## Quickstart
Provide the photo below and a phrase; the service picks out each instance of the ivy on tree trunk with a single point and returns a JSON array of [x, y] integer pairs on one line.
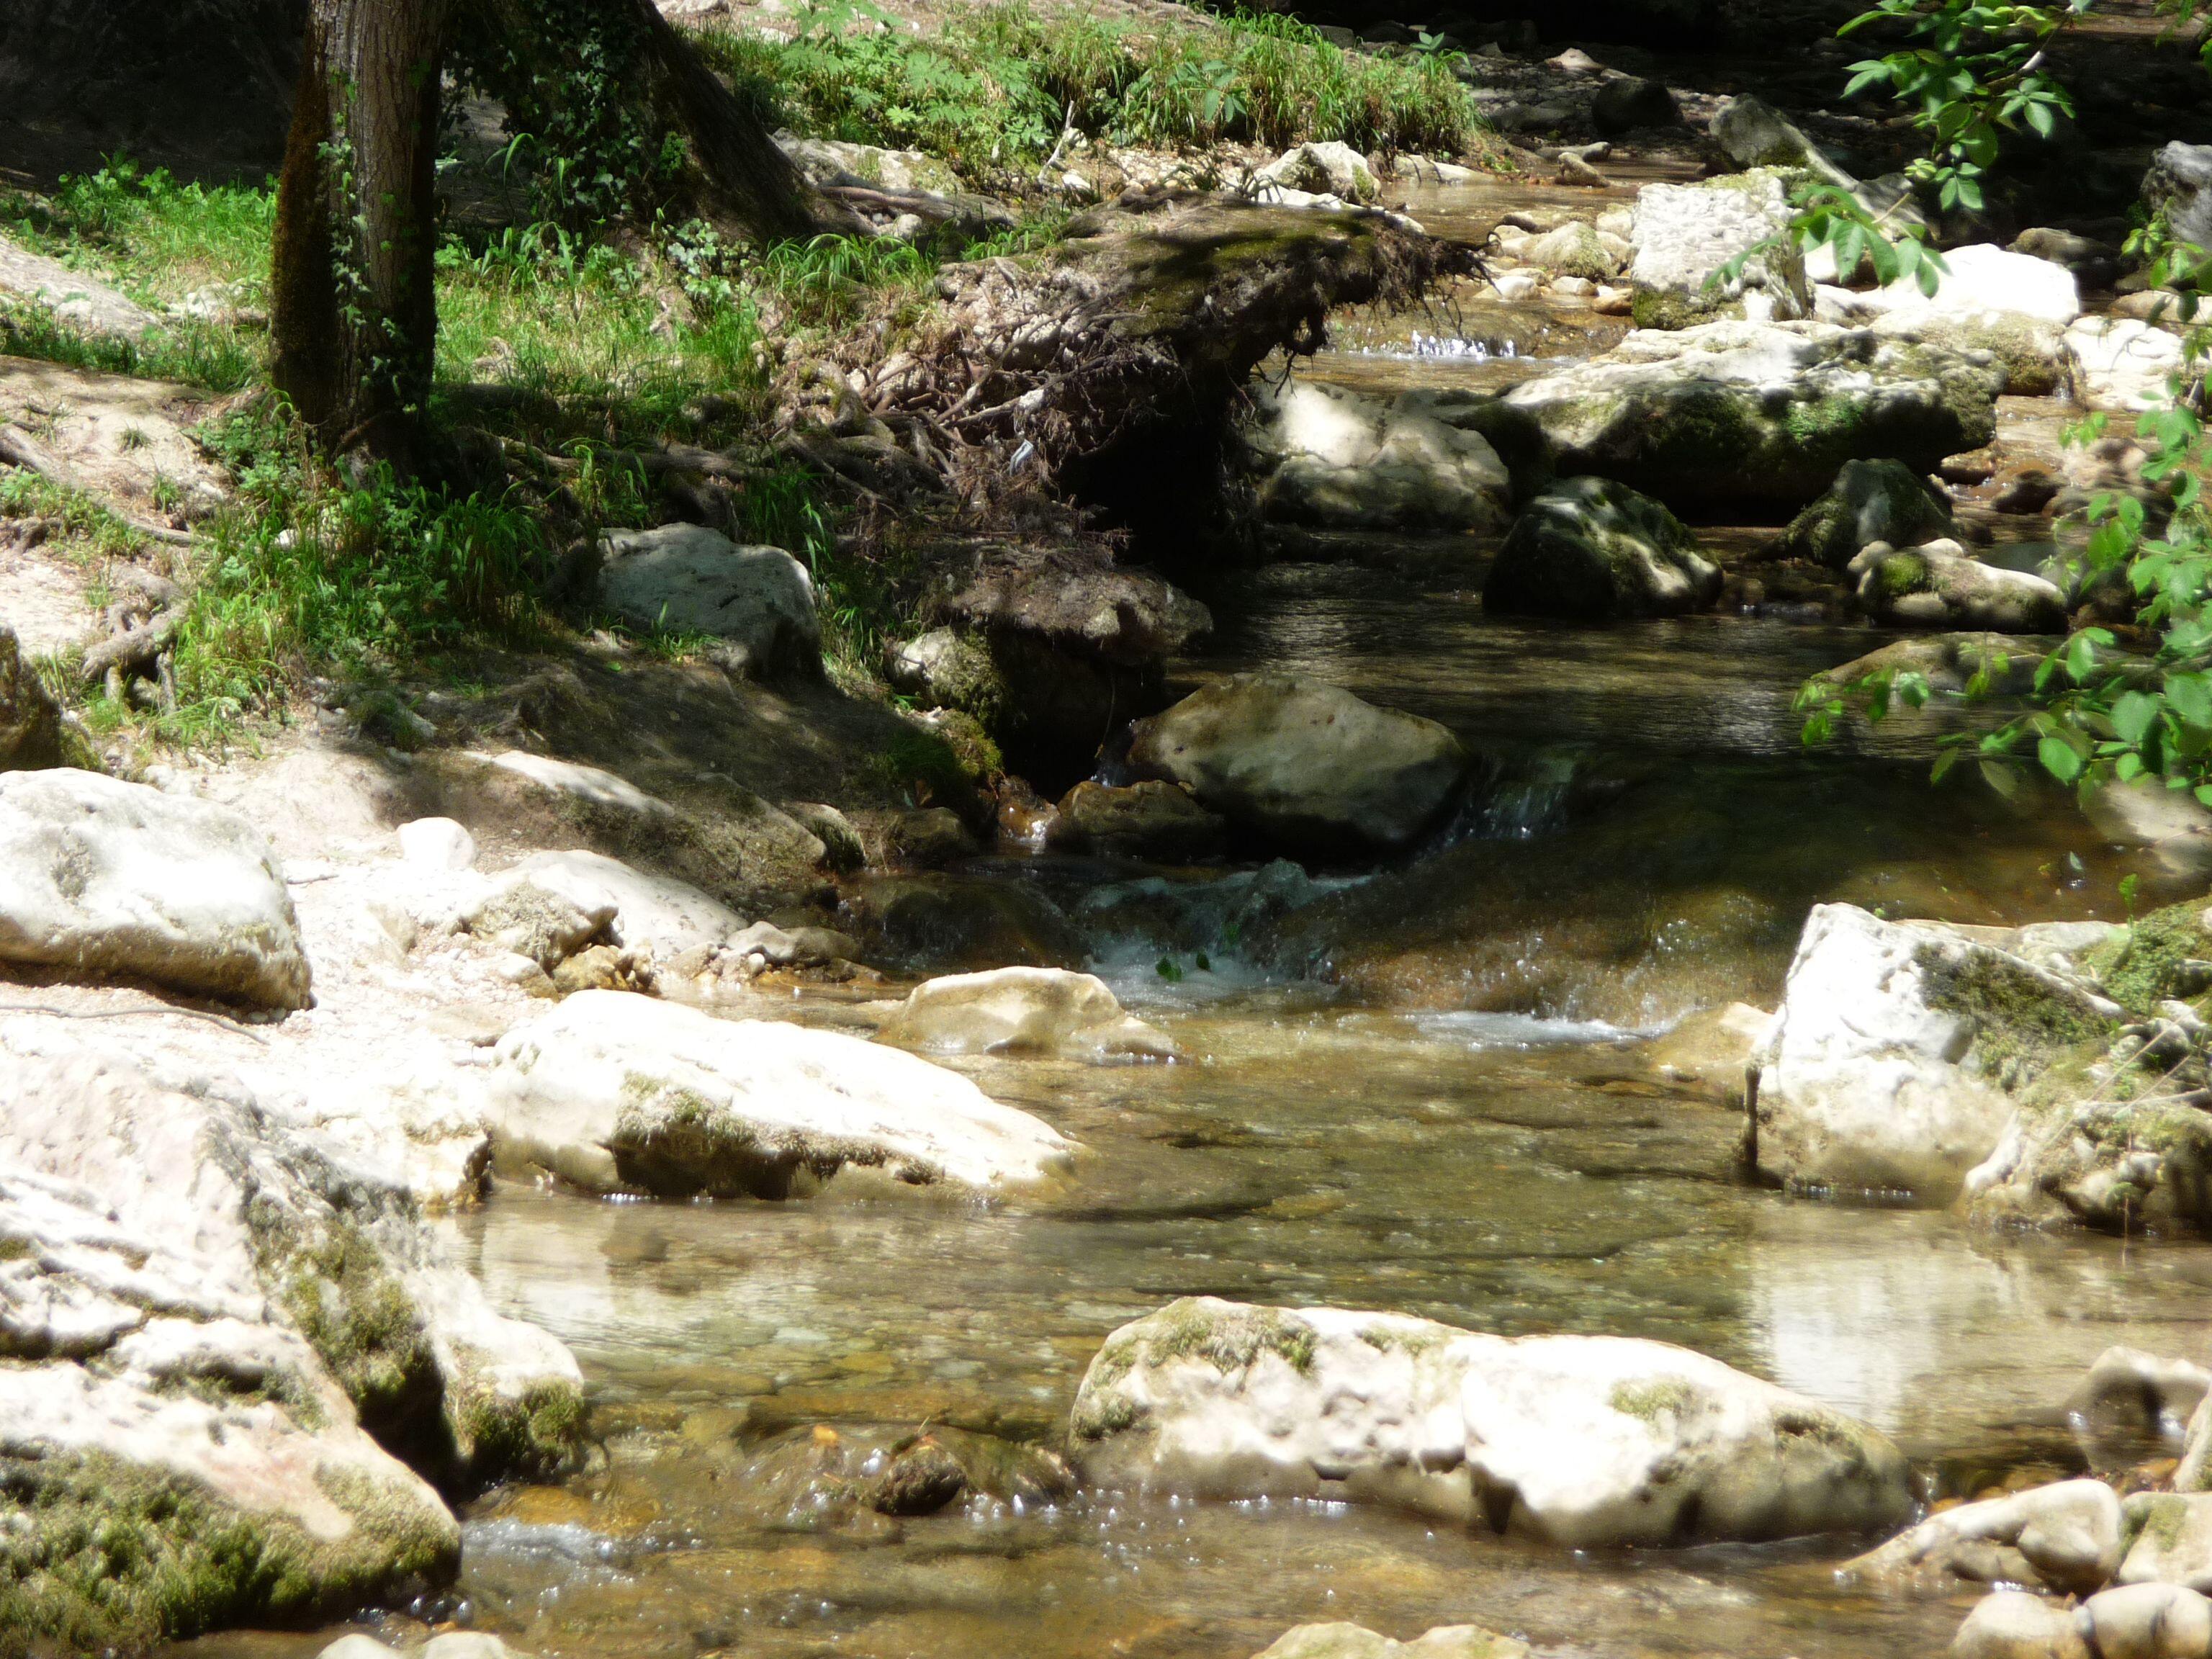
[[354, 306]]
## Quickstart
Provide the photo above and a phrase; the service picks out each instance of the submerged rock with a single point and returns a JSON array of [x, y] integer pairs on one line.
[[935, 921], [1024, 1011], [1940, 585], [1893, 1062], [687, 579], [1759, 414], [1303, 765], [1327, 456], [2067, 1538], [1148, 820], [1354, 1641], [1585, 1442], [1589, 547], [614, 1093], [102, 878], [2132, 1402], [1952, 662], [1870, 501], [1685, 234]]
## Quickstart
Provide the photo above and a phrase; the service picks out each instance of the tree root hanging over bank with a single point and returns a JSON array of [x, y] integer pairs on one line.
[[1147, 318]]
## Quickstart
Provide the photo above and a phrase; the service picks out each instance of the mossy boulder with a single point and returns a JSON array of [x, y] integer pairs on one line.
[[32, 734], [1758, 416], [1940, 585], [1870, 501], [235, 1354], [1592, 548], [1584, 1442]]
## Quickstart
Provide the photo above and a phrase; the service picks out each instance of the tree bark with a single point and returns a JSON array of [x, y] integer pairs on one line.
[[742, 183], [354, 306], [748, 180]]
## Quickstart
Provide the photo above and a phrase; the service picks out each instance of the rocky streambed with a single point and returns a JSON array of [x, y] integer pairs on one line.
[[1461, 1119]]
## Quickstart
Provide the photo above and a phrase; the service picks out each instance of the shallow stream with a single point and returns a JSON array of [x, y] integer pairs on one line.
[[1424, 1091]]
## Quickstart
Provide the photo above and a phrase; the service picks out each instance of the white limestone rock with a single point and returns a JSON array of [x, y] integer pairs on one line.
[[2122, 365], [100, 878], [1685, 234], [437, 844], [658, 917], [1586, 1442], [687, 579], [1873, 1079], [616, 1092]]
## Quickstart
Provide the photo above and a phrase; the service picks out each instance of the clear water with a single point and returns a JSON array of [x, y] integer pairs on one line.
[[1426, 1090]]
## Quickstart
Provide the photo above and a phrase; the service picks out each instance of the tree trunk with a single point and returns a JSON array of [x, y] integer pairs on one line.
[[748, 179], [354, 307], [739, 180]]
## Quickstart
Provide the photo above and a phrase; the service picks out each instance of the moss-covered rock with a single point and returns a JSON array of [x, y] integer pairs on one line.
[[32, 734], [1903, 1051], [203, 1406], [1592, 548], [1870, 501], [1750, 415], [1579, 1441], [1941, 585]]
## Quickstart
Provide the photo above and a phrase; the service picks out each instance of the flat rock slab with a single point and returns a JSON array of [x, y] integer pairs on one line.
[[614, 1093], [83, 302]]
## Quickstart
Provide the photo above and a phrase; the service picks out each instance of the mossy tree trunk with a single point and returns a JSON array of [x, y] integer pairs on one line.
[[354, 307]]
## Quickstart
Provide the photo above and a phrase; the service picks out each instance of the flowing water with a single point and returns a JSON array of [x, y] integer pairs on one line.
[[1426, 1090]]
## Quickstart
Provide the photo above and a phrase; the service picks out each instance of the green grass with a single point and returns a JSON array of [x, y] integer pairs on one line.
[[989, 90]]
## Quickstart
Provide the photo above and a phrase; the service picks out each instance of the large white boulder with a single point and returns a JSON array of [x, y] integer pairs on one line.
[[1303, 764], [687, 579], [1329, 168], [1684, 234], [2122, 365], [1758, 414], [2013, 305], [1588, 1441], [1890, 1065], [617, 1093], [100, 878], [1327, 456], [1049, 1011]]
